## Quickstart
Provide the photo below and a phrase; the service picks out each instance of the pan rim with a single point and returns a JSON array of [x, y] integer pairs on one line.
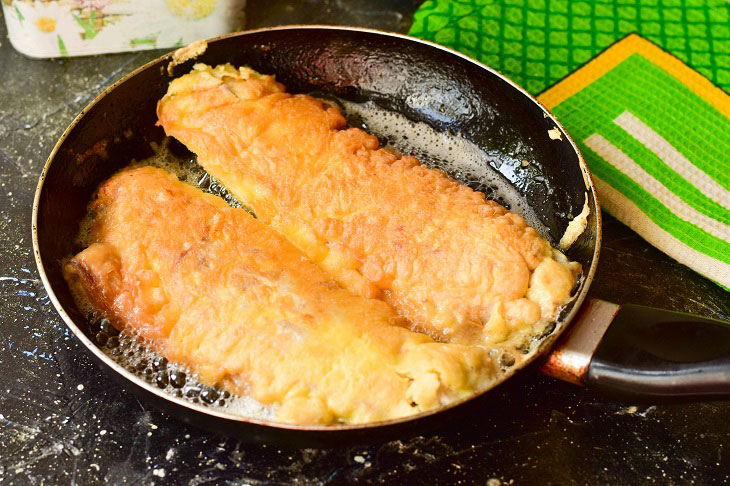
[[542, 347]]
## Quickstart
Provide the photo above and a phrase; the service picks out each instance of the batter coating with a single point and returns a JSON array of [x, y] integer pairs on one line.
[[460, 267], [212, 288]]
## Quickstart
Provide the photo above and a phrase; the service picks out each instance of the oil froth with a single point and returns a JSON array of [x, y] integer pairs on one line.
[[458, 157]]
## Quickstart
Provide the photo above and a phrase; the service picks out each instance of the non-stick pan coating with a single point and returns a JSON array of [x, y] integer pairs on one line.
[[425, 82]]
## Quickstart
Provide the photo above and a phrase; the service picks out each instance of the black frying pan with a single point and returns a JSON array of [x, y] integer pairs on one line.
[[423, 81]]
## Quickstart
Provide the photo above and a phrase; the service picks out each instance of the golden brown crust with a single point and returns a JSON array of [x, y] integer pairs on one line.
[[382, 225], [214, 289]]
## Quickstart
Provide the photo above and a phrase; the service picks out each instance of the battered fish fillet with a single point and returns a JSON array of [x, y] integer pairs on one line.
[[212, 288], [460, 267]]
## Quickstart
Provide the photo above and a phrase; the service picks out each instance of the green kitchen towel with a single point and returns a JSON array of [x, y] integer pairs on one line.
[[537, 42], [655, 133]]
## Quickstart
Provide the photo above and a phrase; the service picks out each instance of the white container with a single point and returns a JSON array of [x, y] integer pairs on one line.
[[58, 28]]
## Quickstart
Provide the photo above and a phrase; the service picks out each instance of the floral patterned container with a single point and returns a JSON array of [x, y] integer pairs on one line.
[[57, 28]]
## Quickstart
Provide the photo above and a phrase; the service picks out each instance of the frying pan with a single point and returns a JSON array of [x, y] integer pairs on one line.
[[517, 139]]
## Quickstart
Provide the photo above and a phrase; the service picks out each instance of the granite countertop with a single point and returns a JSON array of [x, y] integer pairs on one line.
[[63, 422]]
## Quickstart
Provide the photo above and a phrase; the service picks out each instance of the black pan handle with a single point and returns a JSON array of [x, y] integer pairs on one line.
[[653, 355]]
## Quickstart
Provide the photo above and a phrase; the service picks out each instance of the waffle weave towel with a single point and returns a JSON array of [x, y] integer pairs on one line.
[[654, 131]]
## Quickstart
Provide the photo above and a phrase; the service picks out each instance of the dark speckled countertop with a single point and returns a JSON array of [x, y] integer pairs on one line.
[[62, 421]]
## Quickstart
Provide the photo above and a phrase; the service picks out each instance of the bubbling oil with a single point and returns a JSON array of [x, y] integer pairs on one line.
[[188, 170], [136, 356], [458, 157]]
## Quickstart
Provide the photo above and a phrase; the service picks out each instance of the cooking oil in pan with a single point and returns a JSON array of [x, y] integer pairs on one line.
[[136, 357], [456, 156], [187, 170]]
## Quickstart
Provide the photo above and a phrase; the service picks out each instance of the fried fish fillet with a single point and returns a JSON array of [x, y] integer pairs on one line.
[[210, 287], [460, 267]]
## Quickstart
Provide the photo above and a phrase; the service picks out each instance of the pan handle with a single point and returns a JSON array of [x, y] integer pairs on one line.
[[653, 355]]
